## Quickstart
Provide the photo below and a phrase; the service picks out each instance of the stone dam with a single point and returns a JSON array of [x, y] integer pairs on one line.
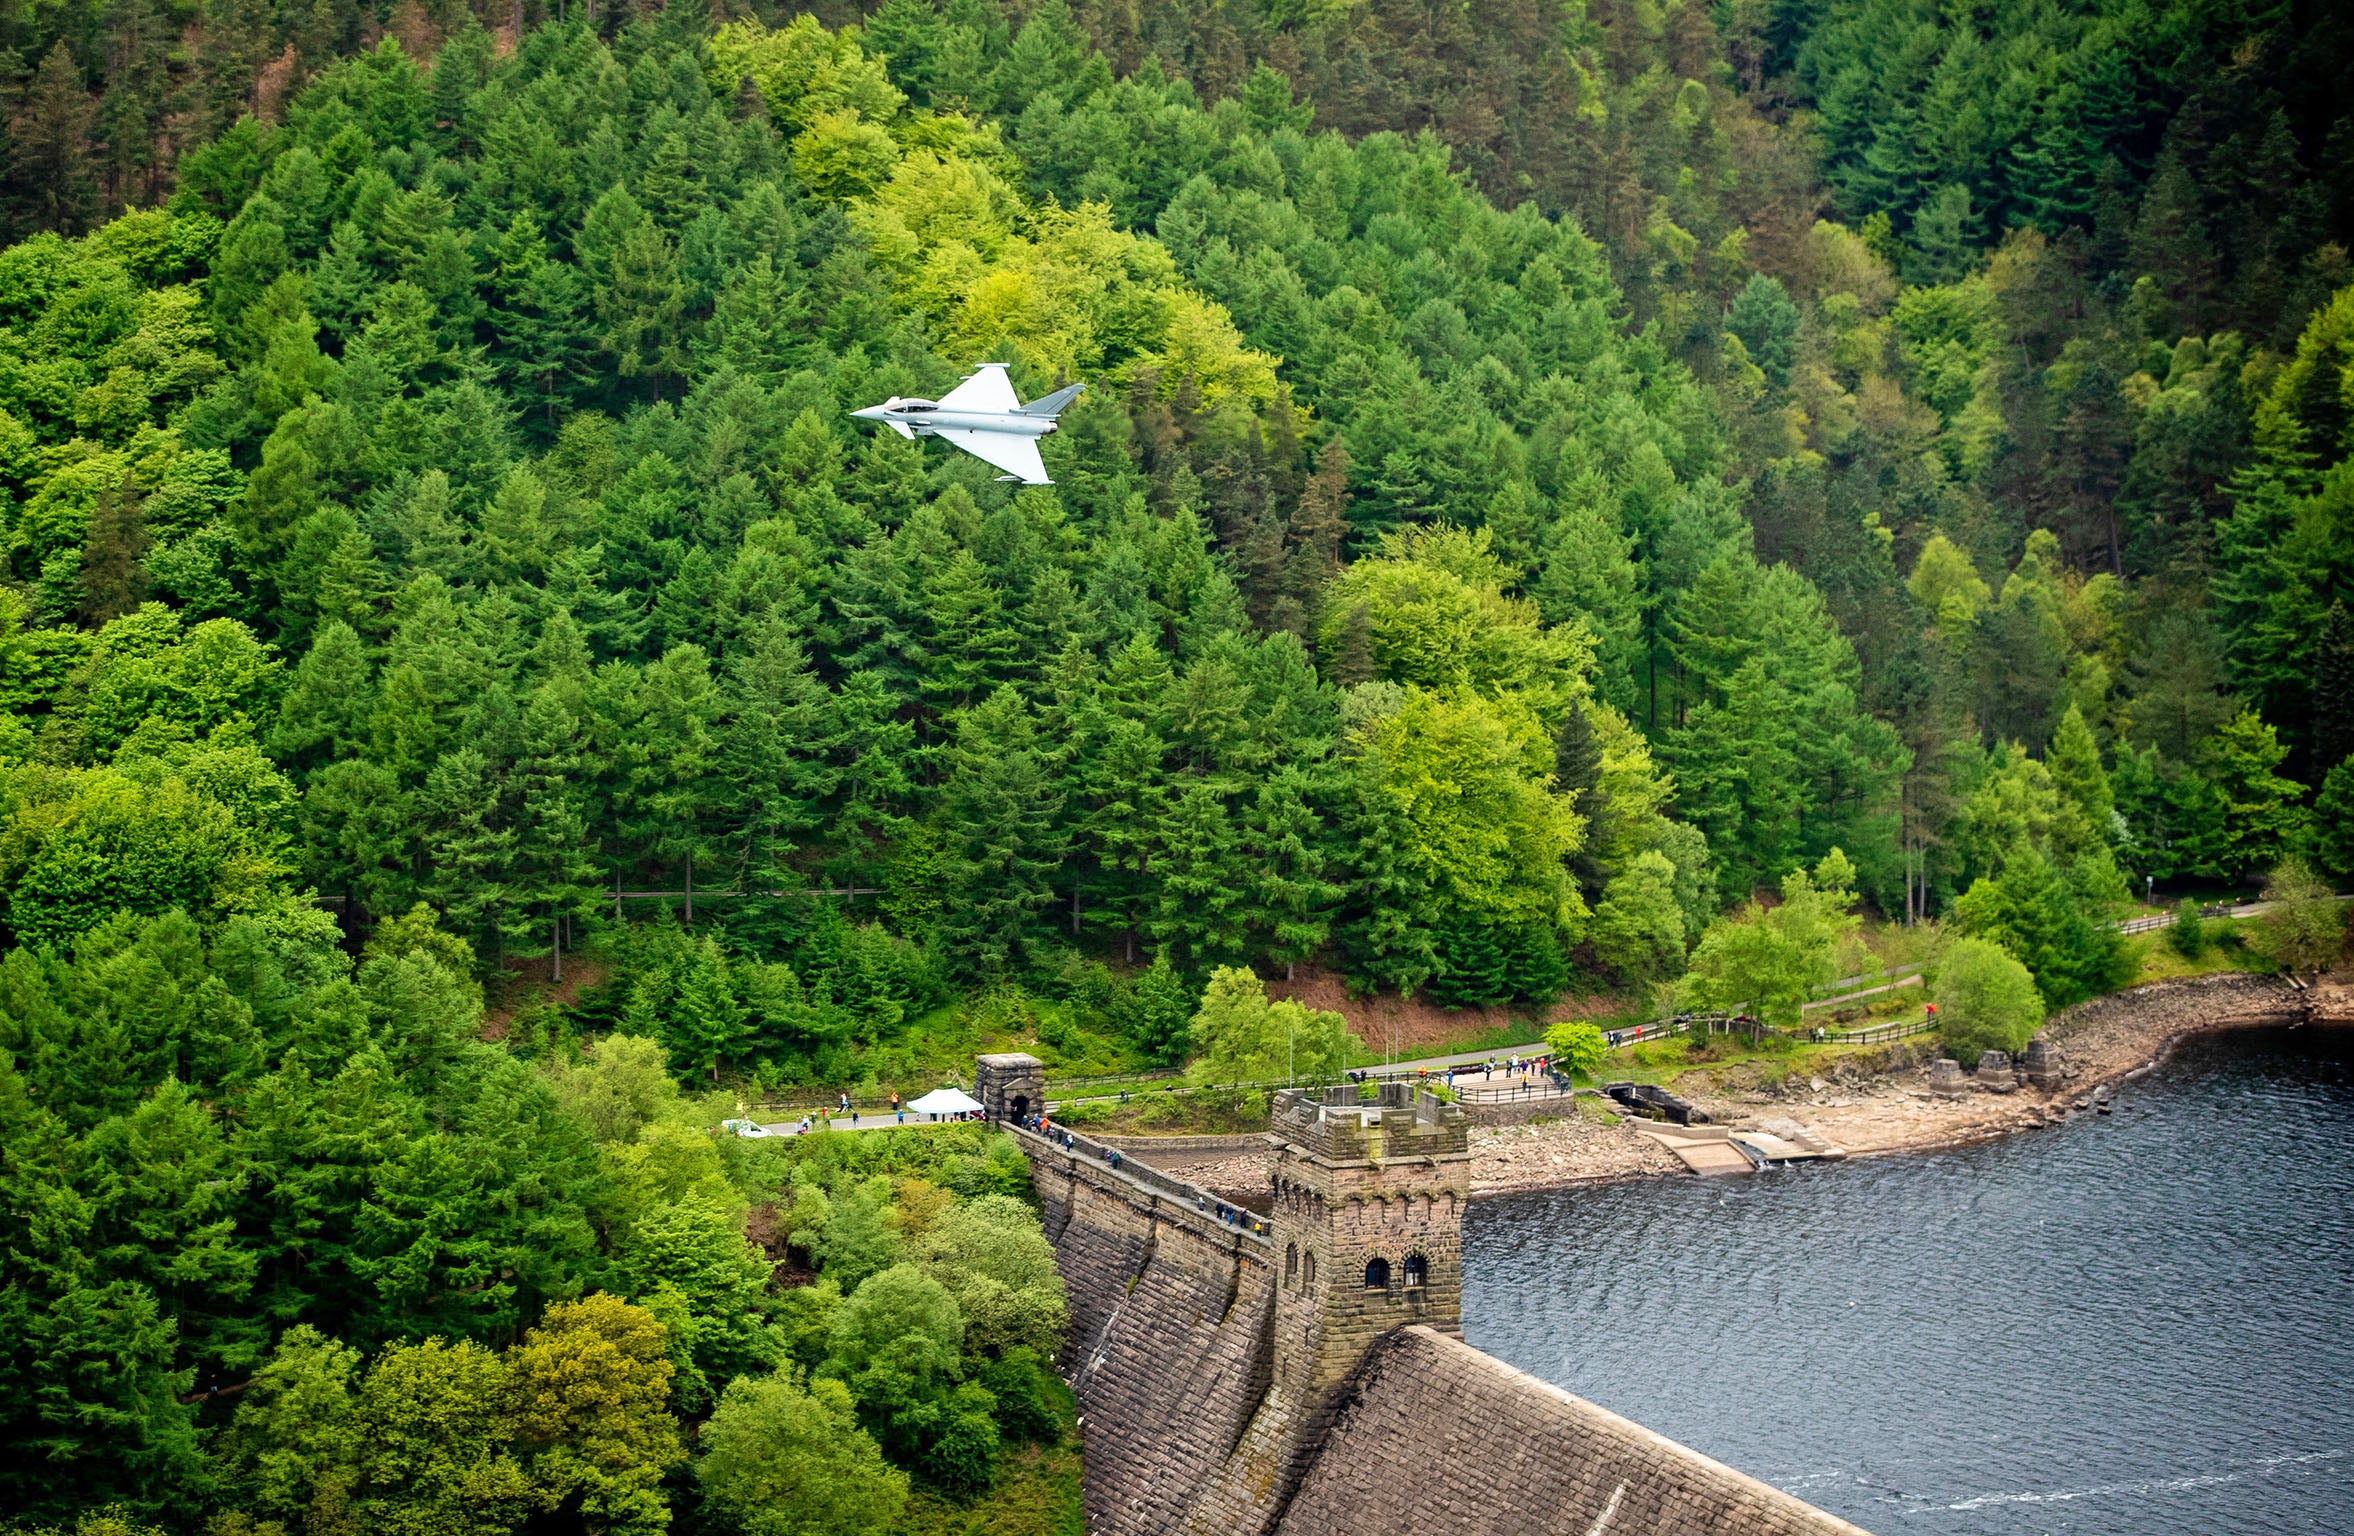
[[1304, 1374]]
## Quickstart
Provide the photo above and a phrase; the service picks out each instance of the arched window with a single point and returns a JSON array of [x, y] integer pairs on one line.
[[1417, 1271], [1377, 1275], [1291, 1263], [1308, 1269]]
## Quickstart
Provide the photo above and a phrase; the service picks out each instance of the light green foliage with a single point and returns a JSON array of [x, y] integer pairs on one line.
[[617, 1087], [294, 1442], [778, 1459], [591, 1393], [993, 1257], [857, 1241], [1241, 1037], [148, 837], [1577, 1045], [696, 1250], [1638, 927], [1986, 1001], [1437, 617], [1766, 960], [434, 1460], [2305, 929], [1481, 829], [902, 1315], [2055, 920]]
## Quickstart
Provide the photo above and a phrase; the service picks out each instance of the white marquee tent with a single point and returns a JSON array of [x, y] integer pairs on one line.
[[945, 1101]]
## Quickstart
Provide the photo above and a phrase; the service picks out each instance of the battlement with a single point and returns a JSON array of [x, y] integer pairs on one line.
[[1336, 1126]]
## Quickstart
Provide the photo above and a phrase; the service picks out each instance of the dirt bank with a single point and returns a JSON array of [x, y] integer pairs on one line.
[[1408, 1026]]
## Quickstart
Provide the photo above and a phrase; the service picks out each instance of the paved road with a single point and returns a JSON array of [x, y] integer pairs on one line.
[[868, 1120]]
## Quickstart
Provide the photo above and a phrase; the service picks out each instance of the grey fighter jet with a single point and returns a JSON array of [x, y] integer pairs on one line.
[[982, 417]]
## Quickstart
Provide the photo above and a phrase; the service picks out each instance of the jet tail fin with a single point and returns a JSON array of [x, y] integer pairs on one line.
[[1051, 405]]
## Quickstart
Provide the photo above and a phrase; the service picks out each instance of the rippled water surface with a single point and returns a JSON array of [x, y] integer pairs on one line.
[[2140, 1324]]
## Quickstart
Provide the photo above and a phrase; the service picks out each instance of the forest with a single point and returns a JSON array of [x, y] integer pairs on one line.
[[1571, 496]]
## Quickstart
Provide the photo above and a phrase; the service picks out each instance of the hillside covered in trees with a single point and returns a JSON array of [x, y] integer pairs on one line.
[[1550, 474]]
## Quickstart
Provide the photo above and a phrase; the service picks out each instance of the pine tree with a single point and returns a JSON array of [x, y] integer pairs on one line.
[[706, 1022], [968, 644], [325, 713], [2333, 689], [779, 760], [113, 580], [1001, 814], [642, 306], [470, 847], [1199, 907], [556, 873], [2075, 763], [1471, 964], [1386, 929], [2333, 822], [1291, 902], [52, 144]]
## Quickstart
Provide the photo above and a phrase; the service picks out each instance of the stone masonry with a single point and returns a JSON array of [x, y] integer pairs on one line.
[[1310, 1381], [1437, 1437], [1010, 1085]]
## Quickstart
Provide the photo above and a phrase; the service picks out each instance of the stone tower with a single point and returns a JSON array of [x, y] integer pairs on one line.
[[1368, 1233]]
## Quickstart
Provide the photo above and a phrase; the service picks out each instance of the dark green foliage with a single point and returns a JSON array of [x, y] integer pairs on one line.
[[2054, 921], [1160, 1008]]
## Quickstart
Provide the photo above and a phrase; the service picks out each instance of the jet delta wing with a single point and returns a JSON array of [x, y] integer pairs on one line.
[[1018, 456], [987, 390], [983, 417]]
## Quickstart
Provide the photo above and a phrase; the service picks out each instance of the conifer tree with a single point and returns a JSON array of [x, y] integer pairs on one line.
[[113, 580]]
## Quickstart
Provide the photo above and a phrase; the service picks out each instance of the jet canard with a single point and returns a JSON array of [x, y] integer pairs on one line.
[[983, 417]]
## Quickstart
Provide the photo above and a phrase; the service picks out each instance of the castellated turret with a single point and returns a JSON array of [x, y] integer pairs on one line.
[[1368, 1228]]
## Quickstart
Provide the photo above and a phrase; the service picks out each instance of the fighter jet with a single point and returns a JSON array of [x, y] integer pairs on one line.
[[982, 417]]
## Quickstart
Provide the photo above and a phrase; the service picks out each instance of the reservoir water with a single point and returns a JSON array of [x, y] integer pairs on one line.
[[2139, 1324]]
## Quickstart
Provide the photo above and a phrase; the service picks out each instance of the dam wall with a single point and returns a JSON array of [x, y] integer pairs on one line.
[[1170, 1348], [1303, 1374], [1436, 1436]]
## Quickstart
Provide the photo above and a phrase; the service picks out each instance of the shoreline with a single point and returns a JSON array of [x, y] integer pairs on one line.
[[2101, 1043], [1883, 1112]]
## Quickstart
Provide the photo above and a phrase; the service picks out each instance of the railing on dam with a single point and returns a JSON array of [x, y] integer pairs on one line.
[[1120, 1165]]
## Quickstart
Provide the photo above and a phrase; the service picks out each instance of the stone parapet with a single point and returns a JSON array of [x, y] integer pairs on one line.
[[1150, 1147], [1336, 1125]]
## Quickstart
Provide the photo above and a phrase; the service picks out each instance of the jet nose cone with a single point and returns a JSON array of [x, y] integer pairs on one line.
[[873, 413]]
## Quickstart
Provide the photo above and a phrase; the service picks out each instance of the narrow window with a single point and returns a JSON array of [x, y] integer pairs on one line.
[[1377, 1275], [1308, 1269], [1291, 1262], [1417, 1271]]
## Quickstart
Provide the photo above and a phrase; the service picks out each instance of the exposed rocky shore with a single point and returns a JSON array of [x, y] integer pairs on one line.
[[1874, 1103], [1884, 1104]]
